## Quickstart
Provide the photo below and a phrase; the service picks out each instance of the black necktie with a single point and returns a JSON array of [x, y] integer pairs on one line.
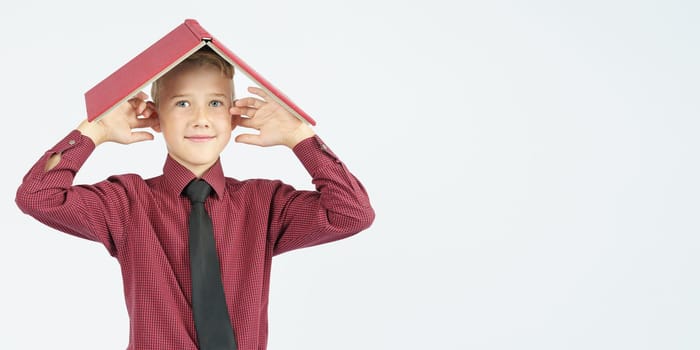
[[211, 320]]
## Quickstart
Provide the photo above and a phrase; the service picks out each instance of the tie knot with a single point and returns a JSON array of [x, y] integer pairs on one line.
[[198, 191]]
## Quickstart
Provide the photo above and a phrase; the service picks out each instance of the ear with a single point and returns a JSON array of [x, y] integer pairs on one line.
[[156, 126], [153, 114], [234, 121]]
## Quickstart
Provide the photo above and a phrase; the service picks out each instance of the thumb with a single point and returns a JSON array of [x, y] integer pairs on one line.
[[250, 139], [139, 136], [141, 96]]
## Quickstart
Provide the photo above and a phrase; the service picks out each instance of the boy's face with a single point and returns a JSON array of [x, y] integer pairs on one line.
[[193, 110]]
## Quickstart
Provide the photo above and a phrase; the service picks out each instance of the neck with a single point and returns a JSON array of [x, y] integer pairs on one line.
[[197, 169]]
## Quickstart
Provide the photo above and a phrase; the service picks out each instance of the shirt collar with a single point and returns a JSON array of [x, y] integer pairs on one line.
[[178, 177]]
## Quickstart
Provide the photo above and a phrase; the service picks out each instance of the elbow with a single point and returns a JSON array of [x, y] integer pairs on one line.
[[34, 203], [24, 201], [366, 219], [362, 214], [28, 204], [354, 222]]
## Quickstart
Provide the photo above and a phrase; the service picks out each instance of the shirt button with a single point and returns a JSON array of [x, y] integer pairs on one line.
[[71, 142], [323, 147]]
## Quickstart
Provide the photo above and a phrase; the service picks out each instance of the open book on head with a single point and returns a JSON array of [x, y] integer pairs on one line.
[[163, 56]]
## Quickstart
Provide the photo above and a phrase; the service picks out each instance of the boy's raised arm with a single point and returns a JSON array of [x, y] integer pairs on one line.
[[94, 212], [337, 209]]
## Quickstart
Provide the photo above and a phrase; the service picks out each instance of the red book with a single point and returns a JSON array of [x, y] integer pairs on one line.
[[161, 57]]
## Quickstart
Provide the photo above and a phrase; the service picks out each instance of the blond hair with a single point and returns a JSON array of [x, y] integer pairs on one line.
[[205, 57]]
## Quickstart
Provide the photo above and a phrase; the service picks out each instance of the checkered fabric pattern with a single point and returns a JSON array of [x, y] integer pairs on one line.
[[143, 223]]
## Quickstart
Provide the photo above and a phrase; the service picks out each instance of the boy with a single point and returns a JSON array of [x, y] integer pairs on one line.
[[143, 223]]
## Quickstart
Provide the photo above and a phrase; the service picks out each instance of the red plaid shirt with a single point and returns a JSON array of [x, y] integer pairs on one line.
[[143, 224]]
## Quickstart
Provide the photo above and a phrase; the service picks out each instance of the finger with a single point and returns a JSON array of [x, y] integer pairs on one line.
[[140, 107], [141, 96], [258, 91], [250, 139], [144, 123], [146, 113], [246, 123], [243, 111], [249, 102], [139, 136], [133, 102], [150, 110]]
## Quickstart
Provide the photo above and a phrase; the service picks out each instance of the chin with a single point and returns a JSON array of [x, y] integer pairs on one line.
[[202, 162]]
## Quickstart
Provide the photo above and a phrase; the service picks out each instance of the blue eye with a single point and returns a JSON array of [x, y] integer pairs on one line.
[[216, 103], [182, 104]]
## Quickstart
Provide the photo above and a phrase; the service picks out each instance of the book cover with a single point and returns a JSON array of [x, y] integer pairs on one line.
[[164, 55]]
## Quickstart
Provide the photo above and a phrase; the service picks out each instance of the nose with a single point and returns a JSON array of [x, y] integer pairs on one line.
[[201, 120]]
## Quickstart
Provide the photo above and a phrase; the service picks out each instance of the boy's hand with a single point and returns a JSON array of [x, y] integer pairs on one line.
[[117, 125], [276, 125]]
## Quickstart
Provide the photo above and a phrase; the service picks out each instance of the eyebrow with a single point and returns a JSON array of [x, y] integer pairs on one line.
[[184, 95]]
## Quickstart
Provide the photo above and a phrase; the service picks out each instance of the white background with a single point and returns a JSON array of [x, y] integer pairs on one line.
[[533, 166]]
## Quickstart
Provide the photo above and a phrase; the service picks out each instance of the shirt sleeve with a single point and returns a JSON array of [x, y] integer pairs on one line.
[[337, 209], [94, 212]]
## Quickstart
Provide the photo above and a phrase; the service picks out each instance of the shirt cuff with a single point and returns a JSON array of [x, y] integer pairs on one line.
[[315, 154], [75, 148]]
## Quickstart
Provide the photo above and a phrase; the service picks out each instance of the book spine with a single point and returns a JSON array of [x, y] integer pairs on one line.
[[197, 30]]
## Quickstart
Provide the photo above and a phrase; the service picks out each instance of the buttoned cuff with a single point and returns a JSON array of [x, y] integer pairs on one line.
[[75, 149], [315, 154], [73, 140]]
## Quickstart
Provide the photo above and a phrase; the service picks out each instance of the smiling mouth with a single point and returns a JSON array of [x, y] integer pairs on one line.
[[199, 138]]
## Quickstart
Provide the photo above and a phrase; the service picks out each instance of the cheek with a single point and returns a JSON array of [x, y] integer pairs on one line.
[[166, 125], [224, 122], [171, 127]]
